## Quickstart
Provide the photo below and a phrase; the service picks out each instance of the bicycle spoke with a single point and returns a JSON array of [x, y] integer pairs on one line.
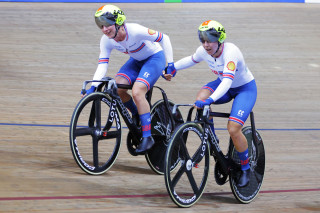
[[97, 107], [196, 158], [178, 175], [184, 149], [92, 115], [186, 156], [192, 181], [83, 131], [95, 151]]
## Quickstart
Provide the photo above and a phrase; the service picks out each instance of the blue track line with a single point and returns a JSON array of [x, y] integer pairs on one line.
[[49, 125], [157, 1]]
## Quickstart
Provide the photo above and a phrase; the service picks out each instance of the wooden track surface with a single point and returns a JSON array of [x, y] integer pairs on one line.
[[48, 50]]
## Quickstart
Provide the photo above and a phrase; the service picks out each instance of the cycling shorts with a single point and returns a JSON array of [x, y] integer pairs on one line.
[[146, 71], [244, 97]]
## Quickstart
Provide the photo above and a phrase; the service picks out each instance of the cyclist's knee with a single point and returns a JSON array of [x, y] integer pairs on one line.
[[234, 129], [139, 93], [121, 80], [203, 94]]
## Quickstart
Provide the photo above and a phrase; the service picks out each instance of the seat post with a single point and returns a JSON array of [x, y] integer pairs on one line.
[[149, 96], [253, 126]]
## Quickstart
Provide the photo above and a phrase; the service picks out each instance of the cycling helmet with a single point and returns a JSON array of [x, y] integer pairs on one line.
[[211, 31], [108, 15]]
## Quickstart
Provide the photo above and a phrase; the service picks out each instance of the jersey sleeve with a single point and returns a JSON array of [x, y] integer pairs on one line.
[[199, 55], [230, 65], [189, 61], [144, 33], [222, 89], [105, 50], [229, 70], [156, 36]]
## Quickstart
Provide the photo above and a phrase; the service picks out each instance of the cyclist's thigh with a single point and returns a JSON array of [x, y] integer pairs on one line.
[[212, 86], [152, 69], [128, 71], [244, 102]]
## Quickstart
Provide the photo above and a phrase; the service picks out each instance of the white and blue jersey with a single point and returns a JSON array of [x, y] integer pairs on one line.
[[141, 44], [230, 64], [234, 78]]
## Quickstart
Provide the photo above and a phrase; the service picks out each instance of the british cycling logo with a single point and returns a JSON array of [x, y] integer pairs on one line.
[[240, 113], [146, 74]]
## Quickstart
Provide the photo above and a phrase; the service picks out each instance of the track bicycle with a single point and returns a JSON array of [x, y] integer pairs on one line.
[[96, 130], [192, 143]]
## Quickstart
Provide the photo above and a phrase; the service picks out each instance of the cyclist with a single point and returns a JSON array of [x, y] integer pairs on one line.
[[148, 50], [235, 81]]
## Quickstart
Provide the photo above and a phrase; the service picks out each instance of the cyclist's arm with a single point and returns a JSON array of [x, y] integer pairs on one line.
[[102, 68], [189, 61], [167, 48], [222, 89], [144, 33], [229, 70]]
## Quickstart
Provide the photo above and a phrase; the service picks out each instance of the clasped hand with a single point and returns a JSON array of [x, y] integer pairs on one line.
[[169, 72]]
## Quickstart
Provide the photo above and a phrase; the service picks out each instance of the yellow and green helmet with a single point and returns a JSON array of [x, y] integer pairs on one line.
[[211, 31], [109, 15]]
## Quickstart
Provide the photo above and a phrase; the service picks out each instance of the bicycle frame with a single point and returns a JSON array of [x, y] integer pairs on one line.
[[110, 88], [226, 163]]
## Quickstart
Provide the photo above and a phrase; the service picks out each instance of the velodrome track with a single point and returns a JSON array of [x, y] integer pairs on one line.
[[48, 49]]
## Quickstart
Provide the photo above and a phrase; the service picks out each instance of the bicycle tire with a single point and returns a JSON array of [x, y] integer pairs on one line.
[[161, 129], [186, 184], [257, 167], [95, 148]]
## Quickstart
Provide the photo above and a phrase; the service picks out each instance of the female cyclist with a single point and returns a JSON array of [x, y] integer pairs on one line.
[[235, 81], [149, 50]]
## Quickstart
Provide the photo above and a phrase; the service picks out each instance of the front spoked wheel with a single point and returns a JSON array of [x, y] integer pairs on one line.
[[161, 129], [95, 133], [187, 182], [257, 167]]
